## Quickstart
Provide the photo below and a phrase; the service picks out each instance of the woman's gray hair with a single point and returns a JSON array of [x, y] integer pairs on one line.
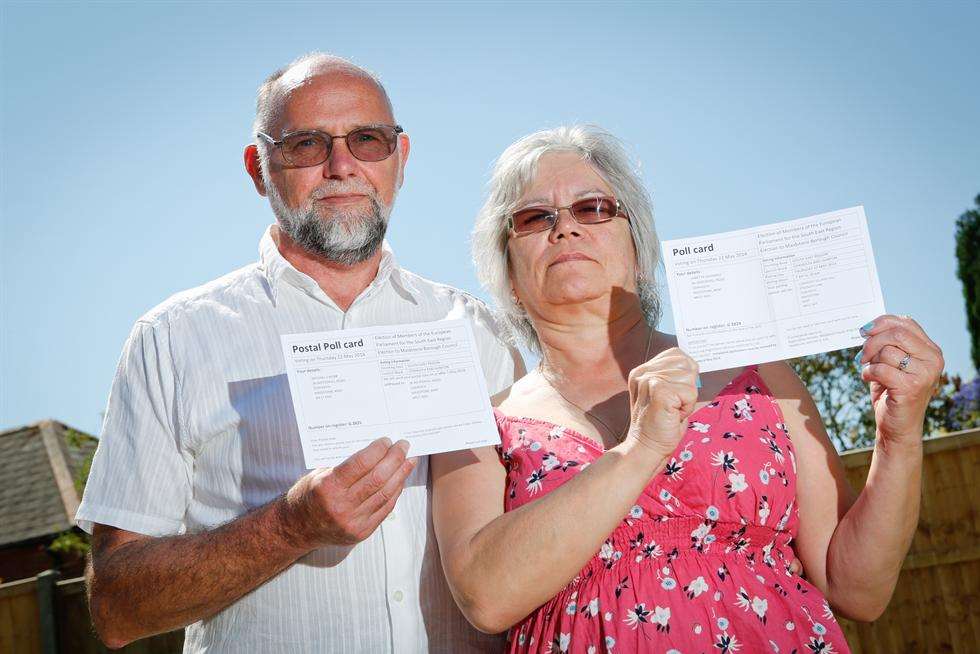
[[515, 170]]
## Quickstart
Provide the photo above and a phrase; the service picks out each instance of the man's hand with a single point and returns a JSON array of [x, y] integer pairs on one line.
[[345, 504]]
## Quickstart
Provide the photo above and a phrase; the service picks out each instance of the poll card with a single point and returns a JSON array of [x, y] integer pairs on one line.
[[422, 382], [774, 292]]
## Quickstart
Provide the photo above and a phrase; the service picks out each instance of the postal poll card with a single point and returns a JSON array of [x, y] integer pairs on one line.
[[774, 292], [422, 382]]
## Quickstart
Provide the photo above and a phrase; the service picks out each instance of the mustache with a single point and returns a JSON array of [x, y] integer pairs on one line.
[[335, 187]]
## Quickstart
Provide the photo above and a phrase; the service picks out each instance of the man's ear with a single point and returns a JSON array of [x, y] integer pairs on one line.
[[253, 166], [404, 146]]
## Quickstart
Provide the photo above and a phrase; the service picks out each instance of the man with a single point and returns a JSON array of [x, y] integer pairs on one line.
[[193, 502]]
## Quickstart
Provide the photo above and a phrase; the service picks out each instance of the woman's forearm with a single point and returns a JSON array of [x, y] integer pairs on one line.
[[524, 557], [870, 543]]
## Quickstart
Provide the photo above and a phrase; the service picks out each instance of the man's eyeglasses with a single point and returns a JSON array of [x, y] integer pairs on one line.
[[585, 212], [313, 147]]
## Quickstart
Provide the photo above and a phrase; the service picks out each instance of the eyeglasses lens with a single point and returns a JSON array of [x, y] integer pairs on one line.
[[313, 148], [588, 211]]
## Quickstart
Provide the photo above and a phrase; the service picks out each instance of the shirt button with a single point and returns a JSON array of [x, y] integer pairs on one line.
[[398, 595]]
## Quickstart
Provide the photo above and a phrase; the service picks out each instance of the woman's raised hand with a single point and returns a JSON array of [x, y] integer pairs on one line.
[[663, 392], [903, 366]]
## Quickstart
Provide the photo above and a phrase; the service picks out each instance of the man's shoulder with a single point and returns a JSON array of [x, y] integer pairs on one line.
[[458, 303], [214, 297]]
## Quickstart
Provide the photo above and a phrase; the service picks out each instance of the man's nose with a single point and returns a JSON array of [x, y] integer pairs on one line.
[[565, 226], [341, 163]]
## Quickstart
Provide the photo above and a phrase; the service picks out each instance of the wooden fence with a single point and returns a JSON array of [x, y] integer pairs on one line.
[[936, 607], [42, 615]]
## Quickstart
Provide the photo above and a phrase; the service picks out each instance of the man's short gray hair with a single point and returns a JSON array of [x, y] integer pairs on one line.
[[273, 90], [515, 170]]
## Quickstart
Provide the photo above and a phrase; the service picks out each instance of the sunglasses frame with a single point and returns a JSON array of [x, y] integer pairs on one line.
[[397, 129], [556, 210]]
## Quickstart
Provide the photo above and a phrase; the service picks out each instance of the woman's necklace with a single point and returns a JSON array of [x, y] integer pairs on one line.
[[589, 414]]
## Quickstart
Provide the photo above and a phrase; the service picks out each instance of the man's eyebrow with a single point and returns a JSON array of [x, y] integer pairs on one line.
[[317, 129]]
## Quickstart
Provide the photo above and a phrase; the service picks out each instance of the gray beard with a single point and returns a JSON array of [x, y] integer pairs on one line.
[[346, 237]]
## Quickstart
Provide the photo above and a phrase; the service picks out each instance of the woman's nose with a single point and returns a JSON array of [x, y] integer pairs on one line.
[[564, 226]]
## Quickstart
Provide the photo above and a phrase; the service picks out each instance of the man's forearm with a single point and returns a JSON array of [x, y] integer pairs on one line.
[[153, 585]]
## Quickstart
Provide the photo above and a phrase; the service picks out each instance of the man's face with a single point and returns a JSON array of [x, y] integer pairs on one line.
[[338, 209]]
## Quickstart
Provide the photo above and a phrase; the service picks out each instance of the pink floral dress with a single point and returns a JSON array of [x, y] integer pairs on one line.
[[701, 562]]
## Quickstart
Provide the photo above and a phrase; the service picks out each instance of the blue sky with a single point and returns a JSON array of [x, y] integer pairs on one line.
[[123, 127]]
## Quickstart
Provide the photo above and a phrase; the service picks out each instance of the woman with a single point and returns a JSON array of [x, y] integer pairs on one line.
[[629, 507]]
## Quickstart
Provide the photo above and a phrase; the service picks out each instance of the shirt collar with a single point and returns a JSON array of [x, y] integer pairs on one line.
[[279, 271]]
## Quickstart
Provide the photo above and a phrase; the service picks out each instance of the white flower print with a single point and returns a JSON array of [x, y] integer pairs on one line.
[[767, 558], [535, 446], [638, 614], [764, 476], [591, 609], [610, 643], [564, 640], [730, 435], [674, 470], [556, 433], [636, 512], [700, 427], [781, 525], [743, 600], [686, 455], [727, 643], [699, 537], [742, 410], [763, 510], [724, 459], [650, 551], [792, 460], [550, 461], [696, 587], [736, 484], [723, 624], [668, 583], [712, 513], [770, 441], [774, 646], [534, 481], [759, 607], [661, 616], [819, 646], [827, 612]]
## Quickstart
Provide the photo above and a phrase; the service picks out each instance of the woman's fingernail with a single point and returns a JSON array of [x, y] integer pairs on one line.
[[867, 328], [697, 381], [857, 359]]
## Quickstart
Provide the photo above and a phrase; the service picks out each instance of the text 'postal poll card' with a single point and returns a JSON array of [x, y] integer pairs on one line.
[[774, 292], [422, 382]]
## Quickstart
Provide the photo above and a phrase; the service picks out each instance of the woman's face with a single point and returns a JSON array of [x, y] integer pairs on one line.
[[571, 263]]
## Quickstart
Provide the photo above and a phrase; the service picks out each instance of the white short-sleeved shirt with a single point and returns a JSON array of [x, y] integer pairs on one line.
[[200, 428]]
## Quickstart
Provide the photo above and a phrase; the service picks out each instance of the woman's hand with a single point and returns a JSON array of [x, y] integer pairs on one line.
[[900, 392], [663, 393]]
